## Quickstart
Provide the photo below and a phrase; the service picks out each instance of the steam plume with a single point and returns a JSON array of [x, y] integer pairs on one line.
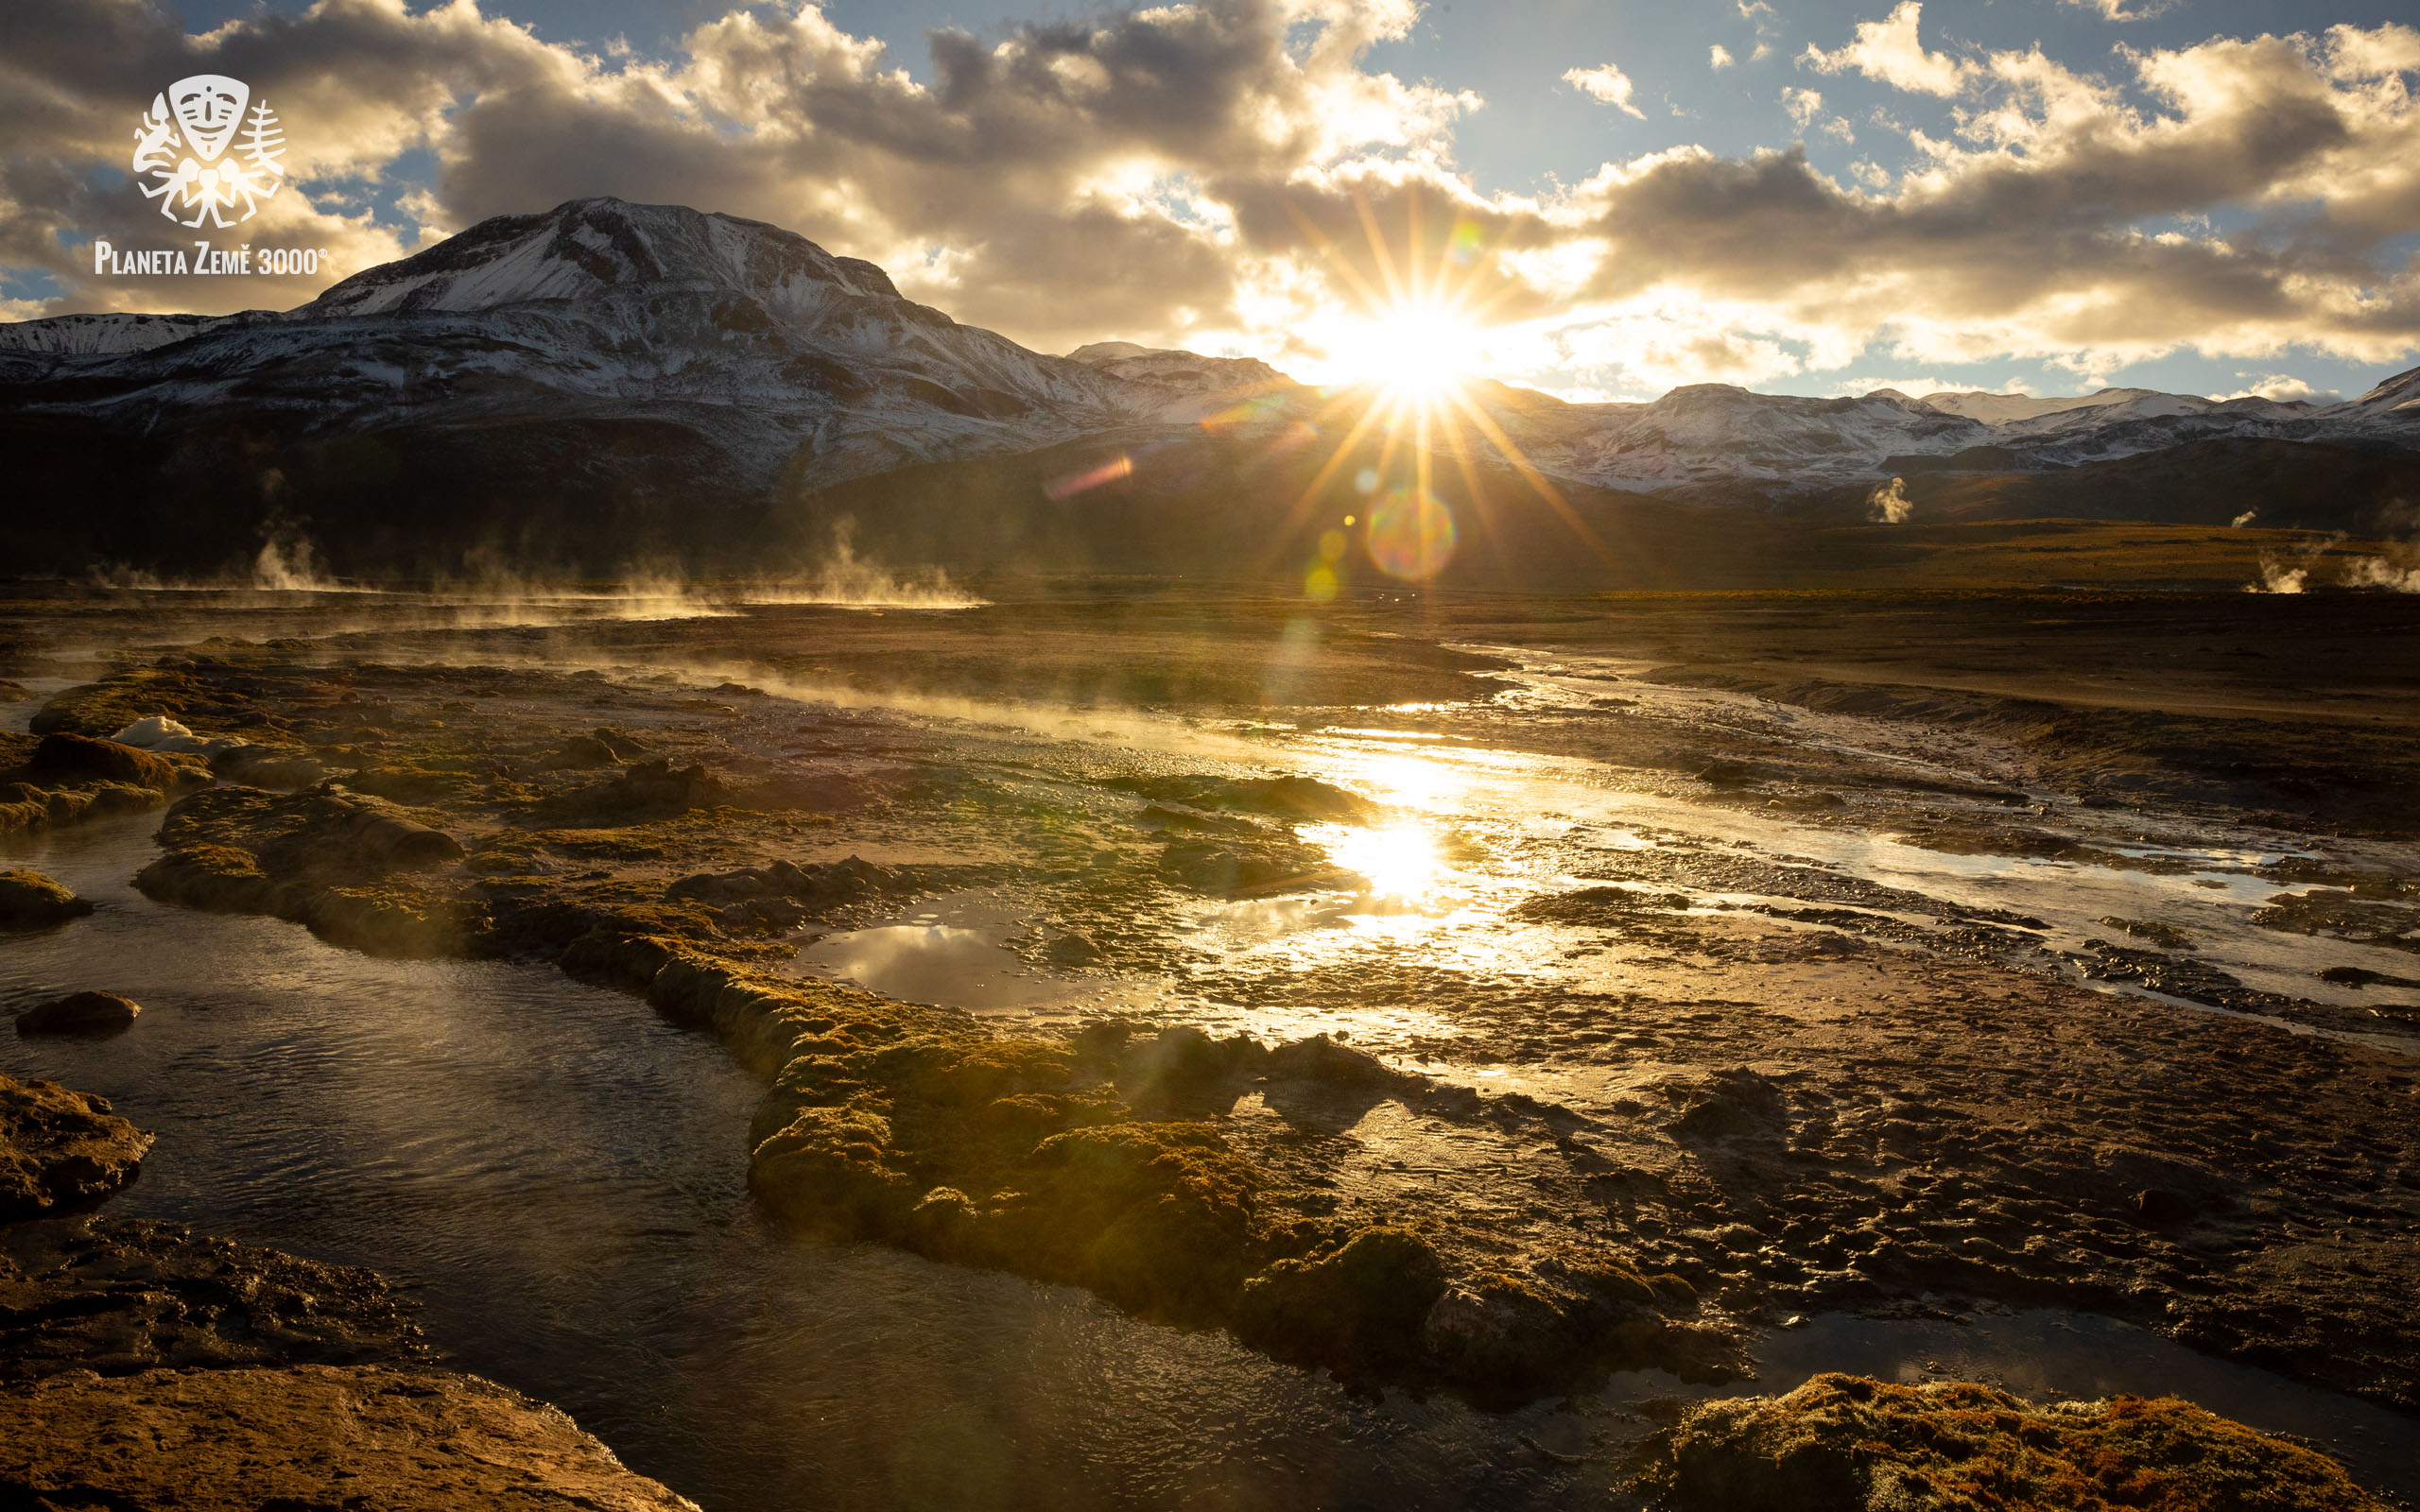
[[1889, 503]]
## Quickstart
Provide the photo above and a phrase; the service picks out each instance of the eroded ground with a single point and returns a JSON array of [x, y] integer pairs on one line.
[[1425, 991]]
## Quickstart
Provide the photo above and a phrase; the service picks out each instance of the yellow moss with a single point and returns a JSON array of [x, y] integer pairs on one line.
[[1848, 1444]]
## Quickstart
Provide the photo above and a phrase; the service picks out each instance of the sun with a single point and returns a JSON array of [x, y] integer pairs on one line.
[[1420, 350]]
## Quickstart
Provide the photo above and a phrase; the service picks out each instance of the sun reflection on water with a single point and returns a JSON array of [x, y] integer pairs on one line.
[[1400, 860]]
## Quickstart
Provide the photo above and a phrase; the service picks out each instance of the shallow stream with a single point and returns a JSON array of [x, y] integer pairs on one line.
[[558, 1175]]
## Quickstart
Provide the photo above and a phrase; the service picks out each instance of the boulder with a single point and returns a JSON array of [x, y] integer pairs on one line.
[[28, 899], [306, 1435], [61, 1149], [80, 1013]]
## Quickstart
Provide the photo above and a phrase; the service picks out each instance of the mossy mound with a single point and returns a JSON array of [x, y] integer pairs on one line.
[[59, 779], [1097, 1162], [118, 701], [1845, 1443], [337, 861], [28, 899]]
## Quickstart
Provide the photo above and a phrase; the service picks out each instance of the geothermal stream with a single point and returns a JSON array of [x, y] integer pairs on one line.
[[558, 1175]]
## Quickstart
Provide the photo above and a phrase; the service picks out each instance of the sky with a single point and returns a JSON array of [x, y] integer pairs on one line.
[[1601, 200]]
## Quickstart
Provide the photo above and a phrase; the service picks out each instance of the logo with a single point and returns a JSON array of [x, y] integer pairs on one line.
[[181, 148]]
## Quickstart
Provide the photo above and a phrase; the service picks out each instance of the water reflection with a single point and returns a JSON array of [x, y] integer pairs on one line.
[[559, 1178]]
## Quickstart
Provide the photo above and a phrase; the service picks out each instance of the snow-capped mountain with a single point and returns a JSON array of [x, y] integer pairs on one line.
[[787, 362], [644, 363], [1716, 433]]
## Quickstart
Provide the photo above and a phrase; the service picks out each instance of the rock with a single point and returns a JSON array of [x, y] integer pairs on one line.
[[1182, 1057], [80, 1013], [1358, 1306], [269, 767], [13, 692], [1073, 950], [619, 743], [116, 1297], [644, 787], [65, 755], [59, 1150], [28, 899], [1732, 1103], [1321, 1059], [577, 752], [1284, 798], [306, 1437], [1848, 1444], [1497, 1330], [1238, 867]]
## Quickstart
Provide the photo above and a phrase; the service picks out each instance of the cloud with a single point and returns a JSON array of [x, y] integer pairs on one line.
[[2285, 390], [1066, 164], [2126, 9], [1719, 57], [1606, 83], [1886, 50], [1239, 175]]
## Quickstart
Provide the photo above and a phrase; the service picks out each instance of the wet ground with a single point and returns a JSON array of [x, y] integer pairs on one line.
[[2003, 1032]]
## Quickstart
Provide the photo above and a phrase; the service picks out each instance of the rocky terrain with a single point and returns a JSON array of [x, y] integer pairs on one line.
[[1500, 999], [148, 1366]]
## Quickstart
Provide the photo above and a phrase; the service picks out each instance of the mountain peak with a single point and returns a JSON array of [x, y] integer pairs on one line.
[[2400, 393], [588, 246]]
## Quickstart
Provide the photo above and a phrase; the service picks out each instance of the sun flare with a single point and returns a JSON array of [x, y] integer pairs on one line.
[[1413, 351]]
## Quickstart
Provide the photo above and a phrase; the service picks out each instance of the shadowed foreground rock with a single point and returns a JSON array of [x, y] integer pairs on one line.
[[1848, 1444], [362, 1437], [28, 899], [84, 1014], [59, 1150], [117, 1298]]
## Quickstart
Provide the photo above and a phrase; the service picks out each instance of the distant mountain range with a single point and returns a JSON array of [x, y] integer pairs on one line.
[[606, 381]]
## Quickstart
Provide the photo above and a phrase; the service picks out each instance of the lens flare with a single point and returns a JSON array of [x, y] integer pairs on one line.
[[1411, 535]]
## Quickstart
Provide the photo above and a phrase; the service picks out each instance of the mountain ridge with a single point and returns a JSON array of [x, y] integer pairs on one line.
[[671, 368]]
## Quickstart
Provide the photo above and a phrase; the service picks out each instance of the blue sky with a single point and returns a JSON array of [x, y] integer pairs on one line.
[[1531, 136]]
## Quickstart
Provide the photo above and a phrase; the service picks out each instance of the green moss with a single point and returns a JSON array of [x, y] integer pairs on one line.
[[1848, 1444]]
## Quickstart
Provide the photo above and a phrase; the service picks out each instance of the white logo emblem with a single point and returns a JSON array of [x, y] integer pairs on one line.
[[199, 174]]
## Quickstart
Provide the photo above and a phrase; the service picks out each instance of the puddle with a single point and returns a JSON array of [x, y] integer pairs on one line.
[[950, 954]]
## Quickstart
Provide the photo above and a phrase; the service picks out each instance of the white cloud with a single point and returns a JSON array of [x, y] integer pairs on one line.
[[1605, 83], [2284, 389], [1719, 57], [1888, 51]]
